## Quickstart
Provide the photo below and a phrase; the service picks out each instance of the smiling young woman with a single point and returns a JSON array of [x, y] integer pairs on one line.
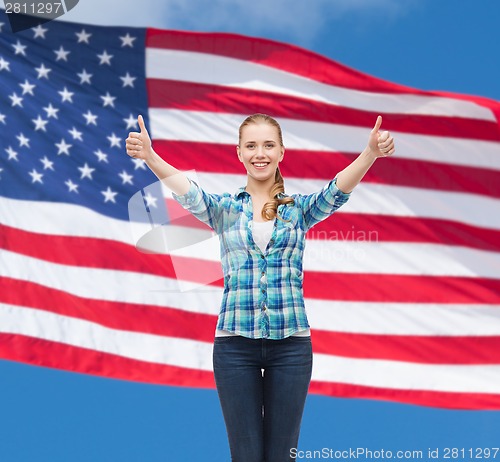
[[262, 354]]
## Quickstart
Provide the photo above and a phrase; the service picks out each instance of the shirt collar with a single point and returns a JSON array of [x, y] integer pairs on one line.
[[241, 191]]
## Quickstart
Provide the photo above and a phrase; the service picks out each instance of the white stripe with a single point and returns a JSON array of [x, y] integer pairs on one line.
[[407, 376], [189, 66], [197, 355], [427, 319], [400, 258], [157, 349], [359, 317], [208, 127], [112, 285]]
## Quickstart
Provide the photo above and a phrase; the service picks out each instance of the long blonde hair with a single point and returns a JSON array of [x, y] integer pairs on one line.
[[270, 209]]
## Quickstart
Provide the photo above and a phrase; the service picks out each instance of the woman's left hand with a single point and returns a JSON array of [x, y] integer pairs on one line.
[[381, 144]]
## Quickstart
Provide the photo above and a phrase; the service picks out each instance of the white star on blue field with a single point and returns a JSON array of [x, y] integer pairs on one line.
[[56, 416]]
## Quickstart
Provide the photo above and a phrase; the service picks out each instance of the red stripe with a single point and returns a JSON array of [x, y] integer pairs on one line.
[[443, 399], [220, 99], [61, 356], [50, 354], [105, 254], [401, 288], [382, 228], [220, 158], [134, 317], [410, 348]]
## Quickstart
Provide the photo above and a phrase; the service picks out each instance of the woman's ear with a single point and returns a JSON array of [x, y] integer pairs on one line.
[[238, 152], [282, 153]]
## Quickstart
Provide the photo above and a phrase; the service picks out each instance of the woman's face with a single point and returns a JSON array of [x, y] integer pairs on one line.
[[260, 150]]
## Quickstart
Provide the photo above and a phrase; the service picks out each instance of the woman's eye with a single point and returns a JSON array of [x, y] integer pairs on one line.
[[270, 145]]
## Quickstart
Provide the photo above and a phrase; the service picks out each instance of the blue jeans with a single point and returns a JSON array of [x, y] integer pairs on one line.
[[262, 410]]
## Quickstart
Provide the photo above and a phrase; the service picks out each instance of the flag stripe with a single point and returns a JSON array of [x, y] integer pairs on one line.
[[212, 98], [471, 401]]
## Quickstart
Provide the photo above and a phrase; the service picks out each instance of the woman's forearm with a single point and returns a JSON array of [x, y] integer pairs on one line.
[[350, 177], [171, 177]]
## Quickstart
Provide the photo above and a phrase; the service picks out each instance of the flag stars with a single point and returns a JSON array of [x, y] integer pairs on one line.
[[4, 65], [66, 95], [131, 122], [36, 177], [19, 49], [90, 118], [43, 72], [84, 77], [75, 134], [104, 58], [114, 140], [2, 118], [11, 153], [108, 100], [138, 163], [39, 31], [72, 187], [126, 178], [150, 200], [127, 40], [47, 164], [40, 123], [16, 100], [51, 111], [63, 147], [83, 37], [101, 156], [61, 54], [86, 172], [27, 87], [128, 80], [23, 141], [109, 195]]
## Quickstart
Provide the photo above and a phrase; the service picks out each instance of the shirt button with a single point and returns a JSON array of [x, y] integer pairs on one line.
[[263, 291], [263, 273], [262, 256]]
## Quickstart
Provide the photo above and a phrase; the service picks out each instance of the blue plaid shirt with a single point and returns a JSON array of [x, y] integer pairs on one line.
[[263, 294]]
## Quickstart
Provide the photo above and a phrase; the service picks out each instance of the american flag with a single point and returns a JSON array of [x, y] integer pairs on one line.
[[402, 285]]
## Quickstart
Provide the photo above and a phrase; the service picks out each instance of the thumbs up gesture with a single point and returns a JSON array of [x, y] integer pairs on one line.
[[381, 144], [138, 144]]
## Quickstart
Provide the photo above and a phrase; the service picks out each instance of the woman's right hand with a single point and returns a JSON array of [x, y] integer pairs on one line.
[[138, 144]]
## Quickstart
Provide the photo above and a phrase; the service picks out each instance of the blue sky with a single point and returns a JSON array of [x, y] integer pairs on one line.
[[55, 416]]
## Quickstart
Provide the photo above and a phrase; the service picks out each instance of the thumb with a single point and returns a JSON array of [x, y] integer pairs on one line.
[[142, 126], [378, 123]]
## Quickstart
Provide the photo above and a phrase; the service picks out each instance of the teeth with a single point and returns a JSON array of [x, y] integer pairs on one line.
[[260, 165]]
